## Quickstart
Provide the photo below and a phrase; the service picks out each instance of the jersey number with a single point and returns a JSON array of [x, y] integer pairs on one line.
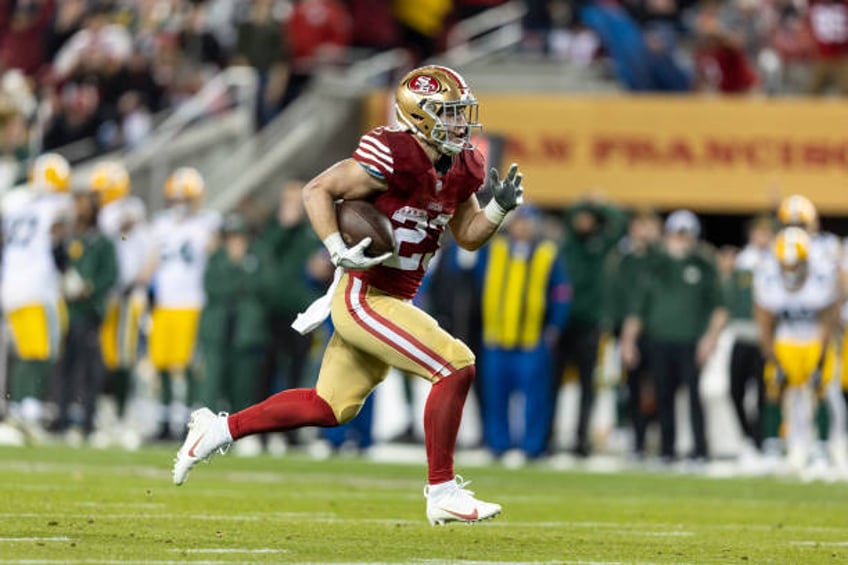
[[20, 231], [412, 250], [184, 253]]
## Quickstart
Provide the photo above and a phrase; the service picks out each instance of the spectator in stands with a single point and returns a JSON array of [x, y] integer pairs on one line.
[[373, 24], [233, 325], [291, 244], [262, 45], [319, 32], [422, 23], [626, 270], [526, 295], [100, 45], [642, 62], [568, 39], [92, 272], [593, 227], [75, 115], [22, 27], [828, 23], [68, 20], [721, 62], [680, 309], [198, 44]]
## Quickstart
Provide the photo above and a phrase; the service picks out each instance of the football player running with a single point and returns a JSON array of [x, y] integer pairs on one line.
[[35, 223], [797, 300], [423, 175]]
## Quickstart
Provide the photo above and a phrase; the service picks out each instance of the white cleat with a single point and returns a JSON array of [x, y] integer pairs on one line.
[[451, 502], [207, 433]]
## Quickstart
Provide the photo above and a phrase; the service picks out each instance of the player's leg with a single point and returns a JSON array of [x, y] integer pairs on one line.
[[402, 335], [691, 377], [36, 332], [587, 360], [159, 349], [534, 375], [498, 388], [665, 389], [347, 377]]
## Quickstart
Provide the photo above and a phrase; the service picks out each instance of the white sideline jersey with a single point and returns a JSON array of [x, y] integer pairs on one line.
[[29, 273], [182, 244], [825, 247], [797, 312], [133, 247]]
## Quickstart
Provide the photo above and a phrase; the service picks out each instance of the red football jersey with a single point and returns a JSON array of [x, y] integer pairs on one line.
[[419, 202]]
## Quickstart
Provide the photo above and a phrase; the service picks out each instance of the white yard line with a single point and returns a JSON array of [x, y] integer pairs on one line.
[[225, 550], [34, 538], [812, 543]]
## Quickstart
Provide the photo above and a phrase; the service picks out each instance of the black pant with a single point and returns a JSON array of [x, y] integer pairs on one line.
[[674, 364], [579, 344], [285, 358], [80, 375], [746, 365], [636, 380]]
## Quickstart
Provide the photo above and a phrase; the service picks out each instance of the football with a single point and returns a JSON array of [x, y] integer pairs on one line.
[[359, 219]]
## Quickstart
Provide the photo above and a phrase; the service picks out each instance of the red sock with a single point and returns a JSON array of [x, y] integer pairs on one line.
[[285, 410], [442, 415]]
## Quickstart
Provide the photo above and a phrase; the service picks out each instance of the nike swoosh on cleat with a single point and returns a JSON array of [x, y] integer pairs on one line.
[[192, 448], [468, 517]]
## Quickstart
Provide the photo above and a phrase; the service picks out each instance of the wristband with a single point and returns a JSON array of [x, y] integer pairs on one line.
[[494, 213], [335, 244]]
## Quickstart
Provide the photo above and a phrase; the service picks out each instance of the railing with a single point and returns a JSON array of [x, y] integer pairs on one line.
[[485, 34]]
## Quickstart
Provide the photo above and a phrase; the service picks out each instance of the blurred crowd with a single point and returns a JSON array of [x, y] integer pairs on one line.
[[108, 308], [106, 71], [721, 46]]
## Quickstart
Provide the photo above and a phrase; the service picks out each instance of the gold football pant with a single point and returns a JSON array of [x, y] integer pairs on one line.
[[375, 331], [172, 337]]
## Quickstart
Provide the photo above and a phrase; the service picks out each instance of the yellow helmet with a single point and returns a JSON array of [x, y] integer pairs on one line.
[[185, 183], [110, 181], [50, 173], [435, 103], [792, 250], [797, 210]]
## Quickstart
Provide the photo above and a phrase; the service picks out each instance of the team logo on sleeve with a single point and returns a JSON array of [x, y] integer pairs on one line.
[[424, 84]]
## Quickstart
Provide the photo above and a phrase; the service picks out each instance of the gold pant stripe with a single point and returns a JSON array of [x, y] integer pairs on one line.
[[172, 337]]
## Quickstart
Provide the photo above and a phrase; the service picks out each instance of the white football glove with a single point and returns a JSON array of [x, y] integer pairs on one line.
[[507, 194], [352, 257]]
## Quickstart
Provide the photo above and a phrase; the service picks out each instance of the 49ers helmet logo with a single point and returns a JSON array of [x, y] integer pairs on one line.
[[424, 84]]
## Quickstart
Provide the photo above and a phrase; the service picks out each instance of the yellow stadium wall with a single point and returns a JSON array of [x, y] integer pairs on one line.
[[709, 154]]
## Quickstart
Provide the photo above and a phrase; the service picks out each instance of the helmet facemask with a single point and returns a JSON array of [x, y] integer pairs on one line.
[[793, 276], [455, 124]]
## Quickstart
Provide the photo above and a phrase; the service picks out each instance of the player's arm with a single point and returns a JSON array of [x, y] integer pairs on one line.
[[346, 180], [766, 324], [471, 225]]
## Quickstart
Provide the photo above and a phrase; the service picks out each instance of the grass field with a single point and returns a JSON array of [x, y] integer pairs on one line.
[[63, 505]]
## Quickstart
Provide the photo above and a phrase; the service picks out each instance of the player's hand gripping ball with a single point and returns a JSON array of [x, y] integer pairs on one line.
[[366, 232]]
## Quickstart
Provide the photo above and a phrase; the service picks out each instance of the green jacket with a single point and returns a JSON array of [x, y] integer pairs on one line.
[[585, 257], [626, 271], [234, 314], [289, 249], [676, 301], [93, 256]]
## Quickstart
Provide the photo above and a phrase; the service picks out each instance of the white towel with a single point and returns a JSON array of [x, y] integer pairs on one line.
[[319, 310]]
